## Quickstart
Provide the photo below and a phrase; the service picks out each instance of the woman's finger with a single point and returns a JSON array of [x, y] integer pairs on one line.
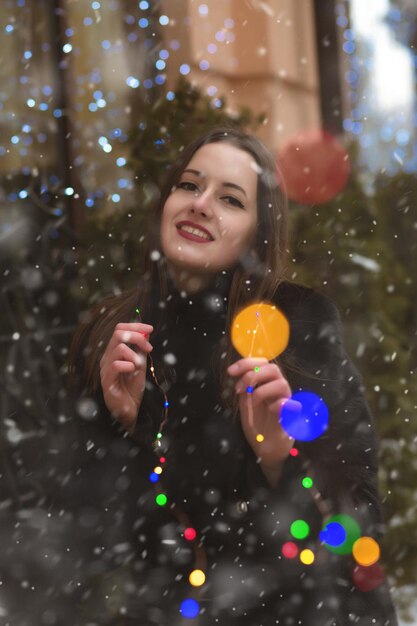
[[266, 373], [117, 367], [124, 332], [275, 407], [130, 337], [243, 365], [111, 373], [134, 327], [124, 337], [272, 392], [122, 352]]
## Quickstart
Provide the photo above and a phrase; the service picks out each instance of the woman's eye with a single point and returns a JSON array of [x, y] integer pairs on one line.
[[187, 186], [233, 201]]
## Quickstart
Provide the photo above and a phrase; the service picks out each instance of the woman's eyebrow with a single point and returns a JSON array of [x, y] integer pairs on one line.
[[225, 184]]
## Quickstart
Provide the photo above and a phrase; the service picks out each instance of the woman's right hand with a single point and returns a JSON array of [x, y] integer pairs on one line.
[[123, 371]]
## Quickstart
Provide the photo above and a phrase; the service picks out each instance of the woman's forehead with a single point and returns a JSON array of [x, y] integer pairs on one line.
[[223, 159]]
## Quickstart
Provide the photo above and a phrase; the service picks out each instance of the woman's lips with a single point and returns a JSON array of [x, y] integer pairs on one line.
[[195, 238]]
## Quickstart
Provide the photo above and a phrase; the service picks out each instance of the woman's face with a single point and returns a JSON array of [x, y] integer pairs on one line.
[[217, 190]]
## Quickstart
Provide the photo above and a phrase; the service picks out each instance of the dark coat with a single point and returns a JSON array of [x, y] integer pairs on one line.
[[129, 561]]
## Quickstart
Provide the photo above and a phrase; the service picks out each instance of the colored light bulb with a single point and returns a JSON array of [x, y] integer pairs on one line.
[[300, 529], [289, 550], [197, 578], [260, 330], [189, 608], [307, 556], [161, 499], [366, 551], [190, 534]]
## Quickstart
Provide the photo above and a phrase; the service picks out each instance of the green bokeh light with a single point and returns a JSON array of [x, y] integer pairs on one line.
[[161, 499], [300, 529]]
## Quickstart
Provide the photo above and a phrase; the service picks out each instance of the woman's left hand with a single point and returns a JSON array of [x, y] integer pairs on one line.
[[271, 391]]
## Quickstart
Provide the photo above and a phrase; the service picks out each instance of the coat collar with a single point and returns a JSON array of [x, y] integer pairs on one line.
[[205, 310]]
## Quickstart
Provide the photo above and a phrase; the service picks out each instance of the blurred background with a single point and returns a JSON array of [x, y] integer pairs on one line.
[[96, 99]]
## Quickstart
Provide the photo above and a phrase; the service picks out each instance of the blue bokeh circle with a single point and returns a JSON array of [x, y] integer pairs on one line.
[[333, 534], [304, 416], [189, 608]]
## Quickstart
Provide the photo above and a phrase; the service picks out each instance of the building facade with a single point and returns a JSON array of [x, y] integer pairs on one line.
[[75, 75]]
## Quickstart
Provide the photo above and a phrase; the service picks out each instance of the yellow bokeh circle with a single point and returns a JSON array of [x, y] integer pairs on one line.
[[366, 551], [307, 556], [260, 330], [197, 578]]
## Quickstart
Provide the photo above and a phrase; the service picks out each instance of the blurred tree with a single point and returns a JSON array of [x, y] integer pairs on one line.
[[360, 249]]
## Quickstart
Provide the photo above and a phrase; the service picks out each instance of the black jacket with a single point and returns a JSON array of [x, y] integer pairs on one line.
[[126, 559]]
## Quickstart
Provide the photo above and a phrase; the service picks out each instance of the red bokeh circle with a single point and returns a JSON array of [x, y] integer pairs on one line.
[[190, 534], [289, 550], [314, 167], [368, 578]]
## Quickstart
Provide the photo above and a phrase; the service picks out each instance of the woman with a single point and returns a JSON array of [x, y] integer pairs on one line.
[[172, 470]]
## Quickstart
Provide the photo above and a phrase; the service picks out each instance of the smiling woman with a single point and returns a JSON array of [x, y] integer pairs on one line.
[[198, 492], [216, 194]]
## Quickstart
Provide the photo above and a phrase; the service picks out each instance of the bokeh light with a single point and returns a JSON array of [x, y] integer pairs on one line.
[[307, 556], [260, 330], [189, 608], [197, 578], [161, 499], [304, 416], [190, 534], [366, 551], [289, 550], [307, 482], [300, 529], [368, 578], [185, 69], [333, 534], [352, 530], [314, 166]]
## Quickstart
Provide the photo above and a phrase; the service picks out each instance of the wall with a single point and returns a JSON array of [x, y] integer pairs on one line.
[[265, 59]]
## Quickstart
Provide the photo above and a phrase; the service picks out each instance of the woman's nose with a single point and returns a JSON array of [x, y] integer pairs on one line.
[[203, 201]]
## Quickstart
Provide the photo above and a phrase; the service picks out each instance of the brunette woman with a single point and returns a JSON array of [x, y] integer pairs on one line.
[[170, 466]]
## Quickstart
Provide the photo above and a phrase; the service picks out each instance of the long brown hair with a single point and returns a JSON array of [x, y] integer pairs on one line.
[[256, 277]]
